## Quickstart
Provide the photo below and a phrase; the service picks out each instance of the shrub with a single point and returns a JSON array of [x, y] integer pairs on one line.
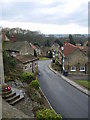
[[47, 114], [27, 76], [12, 62], [35, 84], [35, 53]]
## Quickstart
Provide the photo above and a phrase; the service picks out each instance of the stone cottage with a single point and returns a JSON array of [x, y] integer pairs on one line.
[[28, 63]]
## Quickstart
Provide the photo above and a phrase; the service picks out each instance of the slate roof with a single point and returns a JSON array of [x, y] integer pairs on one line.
[[26, 58], [55, 46], [15, 46]]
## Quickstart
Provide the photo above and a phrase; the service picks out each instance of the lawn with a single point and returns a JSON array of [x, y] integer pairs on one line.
[[43, 58], [84, 83]]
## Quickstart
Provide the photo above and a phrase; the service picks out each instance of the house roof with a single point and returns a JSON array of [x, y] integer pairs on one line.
[[68, 49], [55, 46], [26, 58], [33, 46], [15, 46]]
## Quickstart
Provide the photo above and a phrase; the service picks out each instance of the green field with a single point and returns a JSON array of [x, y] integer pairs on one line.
[[84, 83]]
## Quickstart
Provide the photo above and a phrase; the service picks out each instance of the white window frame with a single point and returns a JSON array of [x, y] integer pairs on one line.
[[13, 54], [26, 53], [82, 70], [73, 69]]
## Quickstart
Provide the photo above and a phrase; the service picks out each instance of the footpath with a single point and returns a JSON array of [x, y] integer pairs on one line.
[[82, 89]]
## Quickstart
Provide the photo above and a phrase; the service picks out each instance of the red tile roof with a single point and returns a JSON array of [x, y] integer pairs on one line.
[[34, 47], [68, 49]]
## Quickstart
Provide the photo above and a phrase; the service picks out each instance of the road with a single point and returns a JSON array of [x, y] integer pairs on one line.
[[64, 98]]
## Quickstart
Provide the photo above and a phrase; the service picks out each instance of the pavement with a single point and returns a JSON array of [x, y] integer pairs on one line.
[[82, 89], [63, 97]]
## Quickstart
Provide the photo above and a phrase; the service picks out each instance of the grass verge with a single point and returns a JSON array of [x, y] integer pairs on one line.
[[43, 58], [84, 83]]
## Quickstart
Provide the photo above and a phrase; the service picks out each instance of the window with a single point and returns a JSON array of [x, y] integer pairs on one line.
[[73, 68], [30, 65], [35, 64], [26, 67], [13, 54], [82, 68], [26, 53]]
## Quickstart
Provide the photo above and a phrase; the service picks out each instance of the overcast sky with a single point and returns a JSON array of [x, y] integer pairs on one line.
[[47, 16]]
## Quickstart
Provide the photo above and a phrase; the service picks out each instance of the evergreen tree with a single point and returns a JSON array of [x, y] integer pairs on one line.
[[81, 43], [35, 53], [58, 42], [72, 40]]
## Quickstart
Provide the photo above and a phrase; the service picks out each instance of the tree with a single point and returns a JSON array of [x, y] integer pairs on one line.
[[7, 34], [36, 43], [58, 42], [35, 53], [47, 43], [72, 40], [81, 43]]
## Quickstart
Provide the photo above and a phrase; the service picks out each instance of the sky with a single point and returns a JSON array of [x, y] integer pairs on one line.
[[46, 16]]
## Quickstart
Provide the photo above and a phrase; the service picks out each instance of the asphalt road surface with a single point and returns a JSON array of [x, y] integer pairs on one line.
[[64, 98]]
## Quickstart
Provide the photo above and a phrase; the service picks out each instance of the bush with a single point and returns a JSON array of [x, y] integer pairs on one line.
[[27, 76], [47, 114], [35, 84]]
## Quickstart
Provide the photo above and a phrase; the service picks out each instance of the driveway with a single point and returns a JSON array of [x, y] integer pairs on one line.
[[64, 98]]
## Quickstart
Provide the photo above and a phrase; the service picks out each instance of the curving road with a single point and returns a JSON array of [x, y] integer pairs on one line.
[[64, 98]]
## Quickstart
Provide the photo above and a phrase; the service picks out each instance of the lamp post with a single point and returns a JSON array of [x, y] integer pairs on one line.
[[62, 48]]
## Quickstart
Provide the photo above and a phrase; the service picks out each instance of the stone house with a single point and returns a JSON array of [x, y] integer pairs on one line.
[[36, 48], [54, 48], [44, 51], [18, 48], [74, 59], [28, 63]]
